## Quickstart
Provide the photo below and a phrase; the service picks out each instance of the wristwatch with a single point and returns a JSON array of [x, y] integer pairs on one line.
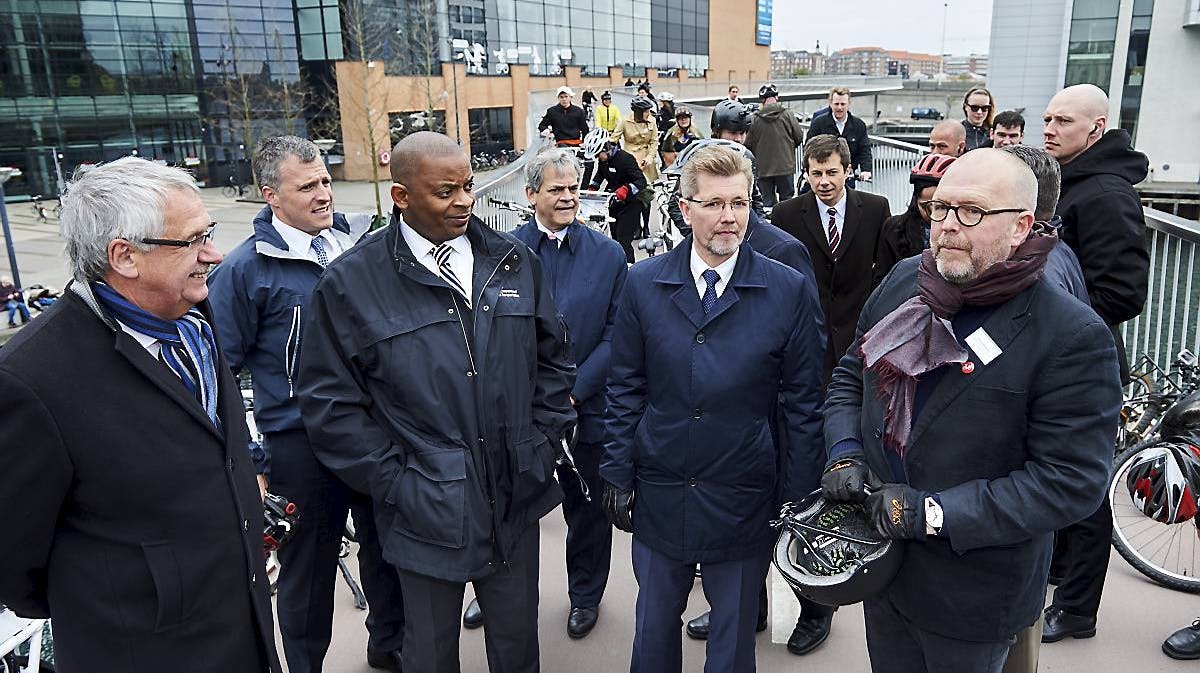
[[933, 517]]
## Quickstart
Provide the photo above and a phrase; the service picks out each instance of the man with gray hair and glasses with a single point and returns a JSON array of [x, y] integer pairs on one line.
[[127, 492], [260, 298]]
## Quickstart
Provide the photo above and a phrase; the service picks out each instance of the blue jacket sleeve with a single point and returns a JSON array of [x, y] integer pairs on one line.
[[593, 371], [335, 402], [626, 392], [800, 403], [235, 321]]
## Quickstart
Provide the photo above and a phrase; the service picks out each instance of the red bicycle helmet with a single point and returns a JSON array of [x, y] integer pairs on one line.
[[930, 169], [1164, 481]]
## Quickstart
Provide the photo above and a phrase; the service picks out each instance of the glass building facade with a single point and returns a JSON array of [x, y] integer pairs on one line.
[[1135, 65], [1092, 42]]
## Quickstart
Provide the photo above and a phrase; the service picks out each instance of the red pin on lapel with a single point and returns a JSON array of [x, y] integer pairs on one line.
[[968, 367]]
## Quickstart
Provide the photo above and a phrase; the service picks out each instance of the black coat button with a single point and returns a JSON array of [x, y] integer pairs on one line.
[[878, 433], [700, 337], [697, 413], [692, 481]]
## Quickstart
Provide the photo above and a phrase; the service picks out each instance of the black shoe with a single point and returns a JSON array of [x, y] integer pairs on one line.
[[698, 627], [1184, 643], [1060, 624], [388, 660], [581, 621], [473, 616], [809, 634]]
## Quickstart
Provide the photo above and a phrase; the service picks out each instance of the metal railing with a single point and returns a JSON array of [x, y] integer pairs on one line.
[[507, 185], [1168, 321]]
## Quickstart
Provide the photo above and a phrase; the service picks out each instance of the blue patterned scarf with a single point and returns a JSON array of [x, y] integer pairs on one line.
[[188, 346]]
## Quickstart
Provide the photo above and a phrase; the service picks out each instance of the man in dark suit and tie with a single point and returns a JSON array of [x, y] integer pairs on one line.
[[128, 504], [978, 405], [841, 228]]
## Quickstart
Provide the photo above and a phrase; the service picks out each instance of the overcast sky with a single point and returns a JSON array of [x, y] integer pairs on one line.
[[912, 25]]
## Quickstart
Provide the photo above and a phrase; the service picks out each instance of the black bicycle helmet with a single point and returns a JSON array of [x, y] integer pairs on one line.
[[831, 554], [731, 115], [641, 103], [768, 91], [1164, 480]]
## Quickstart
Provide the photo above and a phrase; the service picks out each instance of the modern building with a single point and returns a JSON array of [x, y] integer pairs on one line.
[[1144, 53], [196, 82], [797, 63], [878, 62]]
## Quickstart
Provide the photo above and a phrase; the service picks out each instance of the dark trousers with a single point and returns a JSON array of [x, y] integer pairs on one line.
[[628, 224], [732, 589], [1081, 555], [776, 188], [308, 562], [895, 645], [589, 535], [508, 598]]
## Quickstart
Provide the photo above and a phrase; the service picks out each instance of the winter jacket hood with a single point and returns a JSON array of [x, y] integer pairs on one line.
[[1113, 154]]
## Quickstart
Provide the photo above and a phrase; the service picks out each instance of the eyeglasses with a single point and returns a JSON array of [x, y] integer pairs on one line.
[[716, 206], [979, 108], [967, 215], [201, 239]]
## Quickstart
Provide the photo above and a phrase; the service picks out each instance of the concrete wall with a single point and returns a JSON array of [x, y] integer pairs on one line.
[[1169, 124], [1027, 57]]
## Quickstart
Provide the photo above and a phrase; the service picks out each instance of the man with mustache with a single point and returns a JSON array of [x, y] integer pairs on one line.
[[972, 417], [436, 376], [713, 418], [841, 228], [127, 495], [260, 295]]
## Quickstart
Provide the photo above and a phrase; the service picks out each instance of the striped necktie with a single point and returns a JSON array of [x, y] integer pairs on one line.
[[441, 254], [835, 238]]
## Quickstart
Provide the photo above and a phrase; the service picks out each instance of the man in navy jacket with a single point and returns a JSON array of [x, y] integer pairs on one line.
[[711, 342], [259, 296], [586, 272]]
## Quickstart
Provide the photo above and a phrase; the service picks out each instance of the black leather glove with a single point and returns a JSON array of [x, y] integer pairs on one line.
[[846, 480], [618, 507], [898, 511]]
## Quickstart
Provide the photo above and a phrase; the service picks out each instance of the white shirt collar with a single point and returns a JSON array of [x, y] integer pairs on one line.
[[146, 341], [699, 266], [840, 206], [462, 263], [560, 236], [300, 243]]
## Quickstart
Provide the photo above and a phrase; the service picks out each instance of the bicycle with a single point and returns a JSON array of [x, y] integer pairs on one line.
[[40, 211], [233, 189], [1158, 408]]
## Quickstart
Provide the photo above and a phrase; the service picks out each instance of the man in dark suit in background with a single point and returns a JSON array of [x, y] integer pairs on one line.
[[839, 122], [841, 228], [128, 502], [978, 402]]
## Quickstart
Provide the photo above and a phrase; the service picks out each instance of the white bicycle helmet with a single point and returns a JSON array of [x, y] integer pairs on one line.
[[690, 151], [594, 143]]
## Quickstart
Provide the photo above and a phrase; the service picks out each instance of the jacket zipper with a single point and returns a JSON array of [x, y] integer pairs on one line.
[[291, 350]]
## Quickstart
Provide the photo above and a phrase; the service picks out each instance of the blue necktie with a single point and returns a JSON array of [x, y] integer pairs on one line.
[[319, 246], [710, 292]]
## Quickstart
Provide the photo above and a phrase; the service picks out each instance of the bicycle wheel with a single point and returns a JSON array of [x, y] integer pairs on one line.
[[1133, 412], [229, 191], [1169, 554]]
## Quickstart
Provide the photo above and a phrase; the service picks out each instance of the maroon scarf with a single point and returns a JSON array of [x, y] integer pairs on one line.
[[917, 337]]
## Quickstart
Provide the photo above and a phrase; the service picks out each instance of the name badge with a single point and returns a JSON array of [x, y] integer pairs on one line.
[[983, 346]]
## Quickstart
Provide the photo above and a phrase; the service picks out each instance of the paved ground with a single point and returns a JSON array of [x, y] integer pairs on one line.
[[1136, 614]]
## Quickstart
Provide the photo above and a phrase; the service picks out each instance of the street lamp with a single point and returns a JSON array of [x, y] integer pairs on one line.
[[7, 172]]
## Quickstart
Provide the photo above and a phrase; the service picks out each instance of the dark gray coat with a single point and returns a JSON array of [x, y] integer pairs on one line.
[[127, 518], [1016, 450]]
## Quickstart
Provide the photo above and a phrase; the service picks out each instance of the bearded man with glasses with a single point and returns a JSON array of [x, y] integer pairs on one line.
[[713, 418], [972, 417]]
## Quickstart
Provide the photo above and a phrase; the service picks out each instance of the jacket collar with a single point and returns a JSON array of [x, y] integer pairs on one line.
[[269, 243], [676, 270]]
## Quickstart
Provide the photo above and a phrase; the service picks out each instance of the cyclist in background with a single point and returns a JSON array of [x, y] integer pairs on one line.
[[564, 122]]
